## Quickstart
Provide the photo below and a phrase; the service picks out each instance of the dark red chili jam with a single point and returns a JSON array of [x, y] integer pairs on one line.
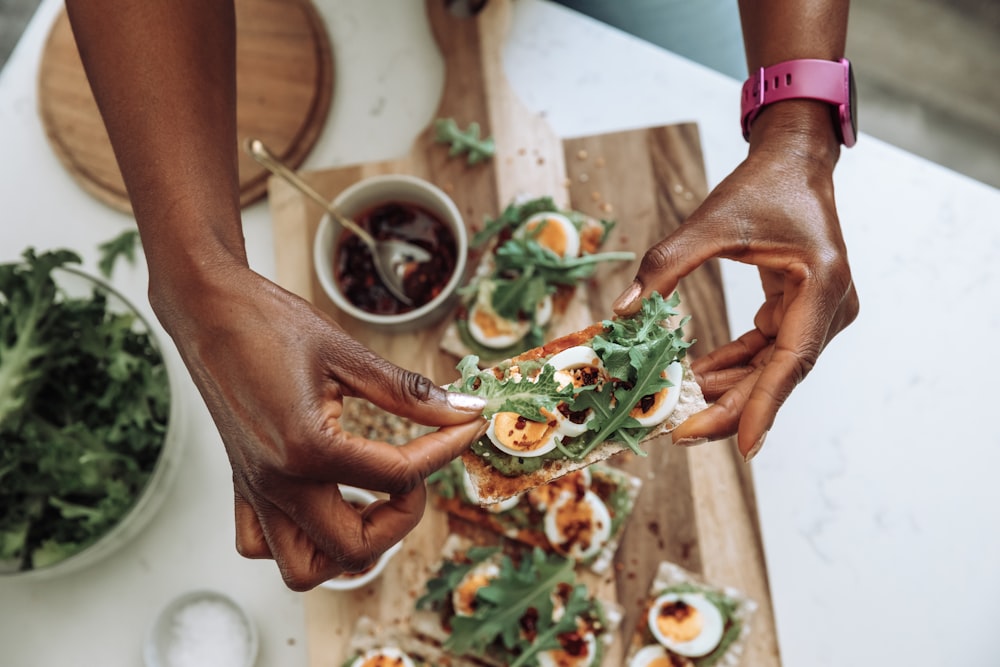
[[354, 269]]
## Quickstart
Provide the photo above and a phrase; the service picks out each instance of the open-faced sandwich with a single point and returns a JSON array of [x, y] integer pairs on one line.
[[580, 399], [687, 623], [580, 515], [529, 612], [535, 255]]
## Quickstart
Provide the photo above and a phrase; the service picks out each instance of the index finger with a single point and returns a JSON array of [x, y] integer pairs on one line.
[[379, 466]]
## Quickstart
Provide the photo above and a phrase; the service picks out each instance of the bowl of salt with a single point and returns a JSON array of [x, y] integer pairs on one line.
[[201, 628]]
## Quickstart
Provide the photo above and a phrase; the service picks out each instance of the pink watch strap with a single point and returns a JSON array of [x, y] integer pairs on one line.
[[824, 80]]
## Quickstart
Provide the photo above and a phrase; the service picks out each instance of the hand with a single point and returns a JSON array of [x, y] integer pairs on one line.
[[776, 211], [273, 371]]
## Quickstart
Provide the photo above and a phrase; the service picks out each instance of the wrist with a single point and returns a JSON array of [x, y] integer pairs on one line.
[[182, 276], [802, 129]]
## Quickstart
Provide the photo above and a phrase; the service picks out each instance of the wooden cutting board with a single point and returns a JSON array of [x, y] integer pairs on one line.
[[284, 83], [697, 506]]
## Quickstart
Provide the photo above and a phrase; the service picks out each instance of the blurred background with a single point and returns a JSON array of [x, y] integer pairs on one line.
[[928, 74]]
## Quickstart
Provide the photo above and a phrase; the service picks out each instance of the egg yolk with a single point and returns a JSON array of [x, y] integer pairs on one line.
[[551, 236], [519, 433], [679, 621], [651, 402], [574, 652], [574, 482], [662, 661], [491, 325], [466, 602], [383, 661], [576, 524]]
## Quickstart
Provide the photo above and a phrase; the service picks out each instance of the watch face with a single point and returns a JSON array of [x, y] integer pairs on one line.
[[852, 110]]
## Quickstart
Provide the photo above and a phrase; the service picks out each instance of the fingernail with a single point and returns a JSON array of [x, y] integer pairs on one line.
[[627, 297], [465, 402], [691, 442], [756, 448]]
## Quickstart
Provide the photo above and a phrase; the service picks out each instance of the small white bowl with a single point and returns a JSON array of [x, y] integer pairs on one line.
[[363, 196], [353, 581], [201, 627]]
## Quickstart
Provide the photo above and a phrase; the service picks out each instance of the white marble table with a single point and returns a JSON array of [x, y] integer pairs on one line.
[[880, 511]]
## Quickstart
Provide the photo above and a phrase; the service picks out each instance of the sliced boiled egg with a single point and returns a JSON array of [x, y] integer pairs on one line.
[[543, 314], [552, 231], [578, 366], [655, 408], [576, 482], [652, 655], [686, 623], [383, 657], [579, 649], [492, 330], [497, 508], [463, 598], [578, 525], [517, 436]]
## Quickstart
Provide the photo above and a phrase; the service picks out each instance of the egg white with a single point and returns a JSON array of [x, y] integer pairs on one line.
[[579, 356], [497, 508], [544, 447], [711, 629], [646, 656], [675, 373], [600, 525], [386, 652], [489, 570], [543, 314], [557, 658], [566, 226]]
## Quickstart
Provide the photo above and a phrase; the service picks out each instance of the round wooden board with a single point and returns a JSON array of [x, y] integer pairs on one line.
[[284, 83]]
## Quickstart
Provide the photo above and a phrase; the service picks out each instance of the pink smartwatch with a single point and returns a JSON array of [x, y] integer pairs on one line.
[[825, 80]]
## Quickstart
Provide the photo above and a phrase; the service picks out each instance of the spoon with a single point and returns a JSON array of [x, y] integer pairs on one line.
[[390, 256]]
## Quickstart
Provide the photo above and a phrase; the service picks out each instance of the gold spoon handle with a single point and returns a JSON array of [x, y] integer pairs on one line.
[[260, 152]]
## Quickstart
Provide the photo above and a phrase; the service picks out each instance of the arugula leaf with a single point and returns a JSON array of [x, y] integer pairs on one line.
[[576, 606], [525, 397], [123, 245], [439, 588], [515, 214], [506, 599], [477, 150]]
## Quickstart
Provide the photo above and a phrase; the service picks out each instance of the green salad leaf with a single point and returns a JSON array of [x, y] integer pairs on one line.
[[468, 141], [122, 246], [84, 401], [525, 397]]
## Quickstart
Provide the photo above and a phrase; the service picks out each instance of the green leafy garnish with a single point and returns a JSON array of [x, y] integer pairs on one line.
[[634, 350], [526, 398], [528, 588], [84, 401], [123, 245], [446, 131]]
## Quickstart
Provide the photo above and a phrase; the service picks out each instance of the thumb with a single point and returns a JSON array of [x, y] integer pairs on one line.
[[666, 263]]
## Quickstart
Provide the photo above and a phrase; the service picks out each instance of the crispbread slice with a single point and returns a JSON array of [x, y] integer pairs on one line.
[[370, 634], [669, 575], [493, 486]]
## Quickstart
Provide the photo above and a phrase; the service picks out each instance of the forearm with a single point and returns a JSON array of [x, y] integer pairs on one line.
[[778, 30], [163, 74]]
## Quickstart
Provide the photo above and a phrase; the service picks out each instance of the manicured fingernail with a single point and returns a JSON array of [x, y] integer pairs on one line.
[[627, 297], [465, 402], [691, 442], [756, 448]]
